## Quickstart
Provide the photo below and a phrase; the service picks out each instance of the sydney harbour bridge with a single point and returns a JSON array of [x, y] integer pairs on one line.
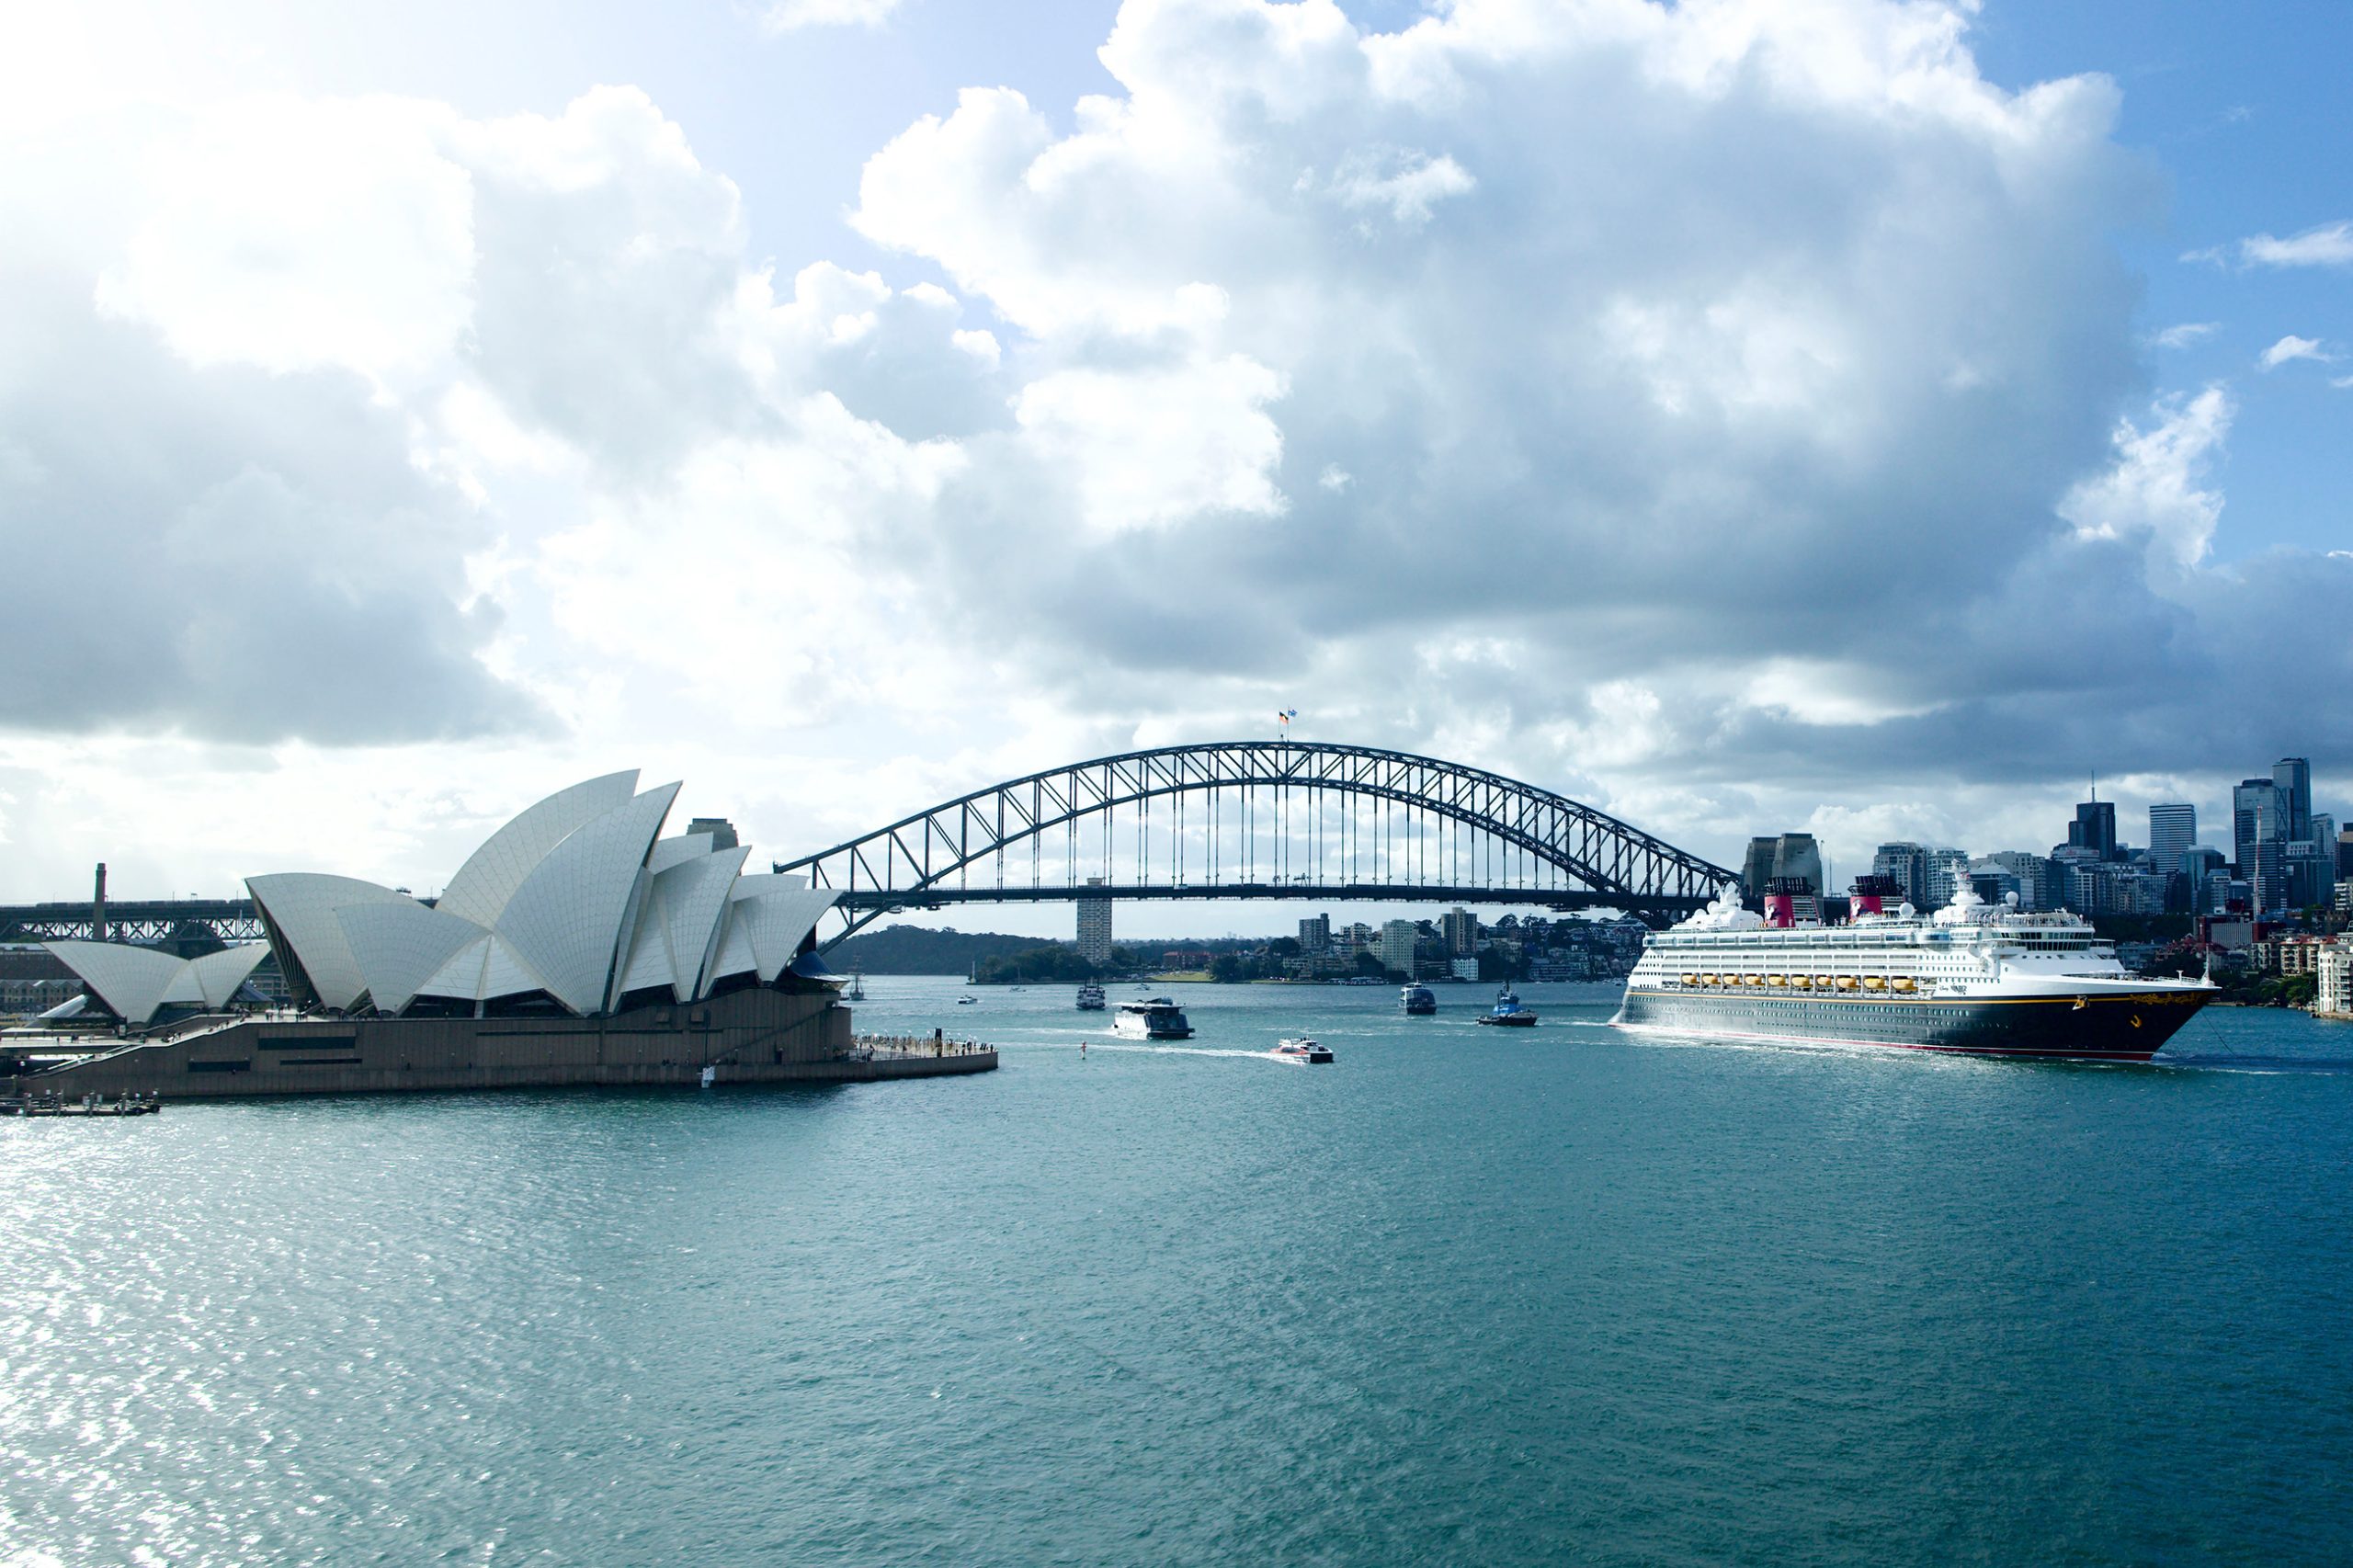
[[1292, 820], [1305, 821]]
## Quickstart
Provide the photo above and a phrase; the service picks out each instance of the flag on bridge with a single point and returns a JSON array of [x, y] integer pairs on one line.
[[1287, 715]]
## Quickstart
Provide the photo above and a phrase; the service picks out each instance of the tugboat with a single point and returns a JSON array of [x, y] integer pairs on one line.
[[1302, 1051], [1090, 998], [1156, 1018], [1508, 1011], [1417, 1001]]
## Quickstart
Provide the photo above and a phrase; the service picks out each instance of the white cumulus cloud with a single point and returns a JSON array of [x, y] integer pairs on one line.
[[2329, 244], [2294, 347], [786, 16]]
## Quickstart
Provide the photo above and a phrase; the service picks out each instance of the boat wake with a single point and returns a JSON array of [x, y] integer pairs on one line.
[[1094, 1046], [2321, 1064]]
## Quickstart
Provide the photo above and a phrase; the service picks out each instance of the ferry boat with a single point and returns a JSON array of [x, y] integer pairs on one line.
[[1156, 1018], [1090, 998], [1302, 1051], [1508, 1011], [1419, 1001], [1972, 977]]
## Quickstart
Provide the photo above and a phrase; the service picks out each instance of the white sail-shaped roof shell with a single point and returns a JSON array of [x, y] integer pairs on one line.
[[483, 970], [771, 914], [492, 874], [669, 852], [301, 907], [218, 975], [138, 982], [679, 930], [566, 919], [131, 981], [399, 946]]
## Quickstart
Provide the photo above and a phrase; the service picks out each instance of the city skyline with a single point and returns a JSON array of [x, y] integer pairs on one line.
[[1863, 421]]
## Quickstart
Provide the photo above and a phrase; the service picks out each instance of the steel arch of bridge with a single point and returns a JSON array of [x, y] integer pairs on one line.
[[1582, 857]]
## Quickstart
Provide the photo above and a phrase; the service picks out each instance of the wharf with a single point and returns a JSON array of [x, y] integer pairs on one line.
[[88, 1105]]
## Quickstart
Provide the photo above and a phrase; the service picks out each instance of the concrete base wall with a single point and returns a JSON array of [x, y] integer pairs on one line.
[[757, 1036]]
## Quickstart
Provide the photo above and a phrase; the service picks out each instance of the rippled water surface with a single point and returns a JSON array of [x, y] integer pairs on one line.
[[1465, 1296]]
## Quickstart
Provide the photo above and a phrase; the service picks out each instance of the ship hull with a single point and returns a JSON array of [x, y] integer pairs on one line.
[[2113, 1027]]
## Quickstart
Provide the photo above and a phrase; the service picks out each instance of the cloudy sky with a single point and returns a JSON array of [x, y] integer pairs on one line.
[[1829, 414]]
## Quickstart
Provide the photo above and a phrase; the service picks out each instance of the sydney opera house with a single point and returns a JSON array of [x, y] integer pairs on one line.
[[577, 944]]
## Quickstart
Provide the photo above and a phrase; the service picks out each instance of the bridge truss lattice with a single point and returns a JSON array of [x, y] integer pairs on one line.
[[1258, 818]]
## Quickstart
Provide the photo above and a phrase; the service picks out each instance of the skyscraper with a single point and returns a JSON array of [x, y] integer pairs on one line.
[[2255, 818], [2095, 828], [2293, 776], [2172, 830]]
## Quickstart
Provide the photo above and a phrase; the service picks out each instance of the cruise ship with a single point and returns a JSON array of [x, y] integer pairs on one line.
[[1985, 979]]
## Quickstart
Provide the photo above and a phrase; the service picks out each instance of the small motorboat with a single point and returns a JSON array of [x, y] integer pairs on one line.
[[1302, 1051], [1508, 1011], [966, 1001]]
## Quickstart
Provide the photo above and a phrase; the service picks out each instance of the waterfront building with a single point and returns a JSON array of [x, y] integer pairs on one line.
[[1396, 948], [2333, 973], [1094, 927], [1315, 934], [1908, 864], [575, 908], [1460, 928], [2173, 829]]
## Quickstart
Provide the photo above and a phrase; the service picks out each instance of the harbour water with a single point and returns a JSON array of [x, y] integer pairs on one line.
[[1466, 1295]]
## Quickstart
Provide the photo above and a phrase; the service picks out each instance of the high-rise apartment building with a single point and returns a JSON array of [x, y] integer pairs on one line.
[[1461, 929], [1946, 869], [1397, 938], [1315, 934], [2172, 830], [1908, 864], [1094, 927]]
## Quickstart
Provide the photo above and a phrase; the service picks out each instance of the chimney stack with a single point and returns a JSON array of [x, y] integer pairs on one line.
[[99, 904]]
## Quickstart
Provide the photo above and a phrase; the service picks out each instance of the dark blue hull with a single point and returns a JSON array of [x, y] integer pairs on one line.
[[2126, 1027]]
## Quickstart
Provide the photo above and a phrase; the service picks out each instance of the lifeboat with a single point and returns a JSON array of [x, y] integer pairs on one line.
[[1707, 980], [1752, 980], [1777, 981], [1904, 983], [1873, 982], [1803, 983], [1844, 983], [1690, 979]]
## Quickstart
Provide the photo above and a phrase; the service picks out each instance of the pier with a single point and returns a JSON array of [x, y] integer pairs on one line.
[[88, 1105]]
